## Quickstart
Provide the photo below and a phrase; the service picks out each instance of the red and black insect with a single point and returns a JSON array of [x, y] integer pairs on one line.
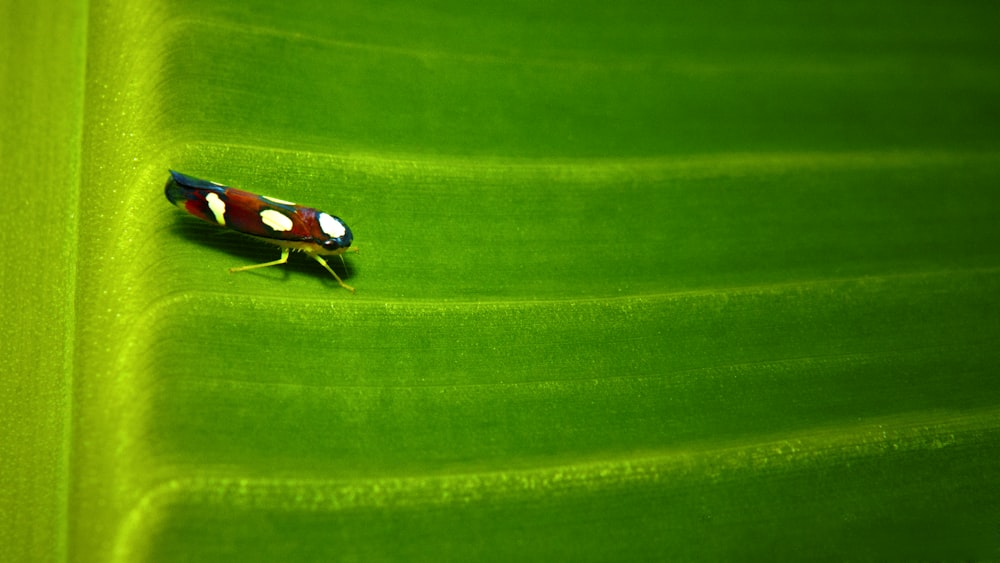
[[279, 222]]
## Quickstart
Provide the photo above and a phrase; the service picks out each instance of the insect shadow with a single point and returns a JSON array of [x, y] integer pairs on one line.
[[246, 251]]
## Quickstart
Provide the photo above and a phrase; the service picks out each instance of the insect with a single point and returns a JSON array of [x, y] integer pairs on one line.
[[279, 222]]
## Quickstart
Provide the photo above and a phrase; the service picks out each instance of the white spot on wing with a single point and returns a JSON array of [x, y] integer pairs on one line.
[[276, 200], [217, 207], [331, 227], [275, 219]]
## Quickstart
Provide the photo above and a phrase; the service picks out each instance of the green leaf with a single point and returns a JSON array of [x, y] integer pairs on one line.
[[41, 108], [635, 281]]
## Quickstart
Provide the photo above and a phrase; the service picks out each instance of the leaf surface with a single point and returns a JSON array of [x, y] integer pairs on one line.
[[635, 282]]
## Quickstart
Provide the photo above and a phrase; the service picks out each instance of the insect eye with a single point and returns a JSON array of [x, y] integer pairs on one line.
[[333, 244]]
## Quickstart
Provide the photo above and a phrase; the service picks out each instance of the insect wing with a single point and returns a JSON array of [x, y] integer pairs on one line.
[[239, 210], [259, 216], [202, 199]]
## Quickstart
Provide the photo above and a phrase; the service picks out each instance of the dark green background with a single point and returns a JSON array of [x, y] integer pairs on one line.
[[637, 281]]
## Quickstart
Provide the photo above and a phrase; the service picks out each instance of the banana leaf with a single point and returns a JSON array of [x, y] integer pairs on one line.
[[636, 281]]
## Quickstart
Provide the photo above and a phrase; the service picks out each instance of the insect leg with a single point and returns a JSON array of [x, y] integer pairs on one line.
[[353, 249], [329, 269], [282, 260]]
